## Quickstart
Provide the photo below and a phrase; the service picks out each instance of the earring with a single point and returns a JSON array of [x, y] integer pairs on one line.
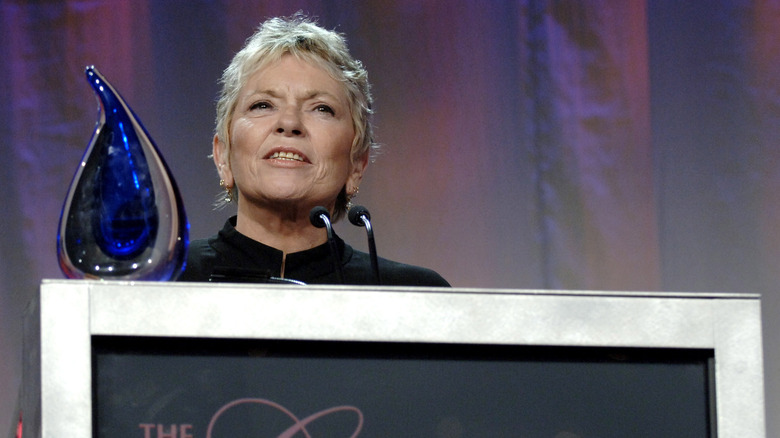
[[350, 196], [228, 191]]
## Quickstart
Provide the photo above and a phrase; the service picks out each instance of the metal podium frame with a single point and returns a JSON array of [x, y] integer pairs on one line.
[[59, 326]]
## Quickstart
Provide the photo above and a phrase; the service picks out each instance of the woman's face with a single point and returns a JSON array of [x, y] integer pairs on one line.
[[291, 136]]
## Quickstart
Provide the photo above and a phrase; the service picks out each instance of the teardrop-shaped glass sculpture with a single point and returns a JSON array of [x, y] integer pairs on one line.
[[123, 217]]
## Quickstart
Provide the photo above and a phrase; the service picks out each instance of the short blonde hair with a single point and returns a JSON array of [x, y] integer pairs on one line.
[[301, 37]]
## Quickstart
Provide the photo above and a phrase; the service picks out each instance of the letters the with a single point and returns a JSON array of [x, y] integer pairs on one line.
[[175, 430]]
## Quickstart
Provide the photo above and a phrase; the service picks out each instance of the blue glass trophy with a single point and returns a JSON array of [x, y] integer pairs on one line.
[[123, 217]]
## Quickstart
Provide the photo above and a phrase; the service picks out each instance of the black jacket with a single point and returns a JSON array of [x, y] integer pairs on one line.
[[231, 256]]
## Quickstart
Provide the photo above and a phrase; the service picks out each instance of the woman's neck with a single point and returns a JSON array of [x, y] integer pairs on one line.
[[288, 230]]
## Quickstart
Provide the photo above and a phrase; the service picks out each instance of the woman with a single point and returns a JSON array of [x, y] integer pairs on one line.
[[293, 133]]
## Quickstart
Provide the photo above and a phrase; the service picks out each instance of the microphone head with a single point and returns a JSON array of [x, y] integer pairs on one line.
[[315, 216], [356, 213]]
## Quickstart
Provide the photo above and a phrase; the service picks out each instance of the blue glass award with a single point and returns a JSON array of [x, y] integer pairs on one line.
[[123, 217]]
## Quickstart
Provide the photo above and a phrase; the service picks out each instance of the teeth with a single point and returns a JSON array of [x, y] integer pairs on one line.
[[286, 156]]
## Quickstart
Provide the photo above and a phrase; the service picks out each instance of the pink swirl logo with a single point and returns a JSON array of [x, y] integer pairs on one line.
[[298, 426]]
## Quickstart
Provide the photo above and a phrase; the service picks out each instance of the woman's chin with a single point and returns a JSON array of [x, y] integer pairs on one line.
[[291, 201]]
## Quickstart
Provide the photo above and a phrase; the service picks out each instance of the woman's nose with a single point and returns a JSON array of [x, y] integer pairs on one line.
[[290, 123]]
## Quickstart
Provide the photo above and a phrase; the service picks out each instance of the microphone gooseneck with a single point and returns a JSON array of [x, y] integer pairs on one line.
[[320, 217], [359, 216]]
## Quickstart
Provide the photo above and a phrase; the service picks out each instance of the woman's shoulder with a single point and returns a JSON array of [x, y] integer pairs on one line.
[[200, 258], [394, 273]]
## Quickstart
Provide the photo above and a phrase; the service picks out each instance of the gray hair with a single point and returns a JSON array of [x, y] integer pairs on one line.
[[303, 38]]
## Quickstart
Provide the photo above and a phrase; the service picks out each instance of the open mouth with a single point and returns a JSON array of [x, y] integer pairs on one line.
[[287, 156]]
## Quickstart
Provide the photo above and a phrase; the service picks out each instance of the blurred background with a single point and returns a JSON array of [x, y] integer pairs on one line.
[[527, 144]]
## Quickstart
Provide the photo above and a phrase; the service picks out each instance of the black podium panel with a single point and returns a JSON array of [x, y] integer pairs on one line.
[[186, 388]]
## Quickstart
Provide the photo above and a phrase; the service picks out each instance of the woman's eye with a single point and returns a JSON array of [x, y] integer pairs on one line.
[[260, 106], [325, 109]]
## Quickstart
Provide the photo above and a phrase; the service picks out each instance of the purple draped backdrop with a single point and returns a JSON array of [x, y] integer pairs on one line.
[[527, 144]]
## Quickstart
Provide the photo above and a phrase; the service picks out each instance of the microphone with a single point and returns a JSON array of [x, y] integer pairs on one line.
[[359, 215], [320, 217]]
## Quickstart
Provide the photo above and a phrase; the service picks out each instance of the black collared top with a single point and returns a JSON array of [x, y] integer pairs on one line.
[[231, 256]]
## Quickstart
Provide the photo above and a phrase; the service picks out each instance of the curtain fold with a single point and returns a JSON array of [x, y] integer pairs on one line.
[[591, 116]]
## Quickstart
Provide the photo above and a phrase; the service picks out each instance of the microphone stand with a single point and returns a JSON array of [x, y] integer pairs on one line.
[[320, 217], [358, 215]]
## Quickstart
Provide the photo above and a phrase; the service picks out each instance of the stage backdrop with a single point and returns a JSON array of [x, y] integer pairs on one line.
[[527, 144]]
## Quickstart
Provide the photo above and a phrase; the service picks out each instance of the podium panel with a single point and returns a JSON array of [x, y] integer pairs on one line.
[[202, 360]]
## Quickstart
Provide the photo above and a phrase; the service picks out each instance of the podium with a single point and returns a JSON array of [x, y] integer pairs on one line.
[[186, 360]]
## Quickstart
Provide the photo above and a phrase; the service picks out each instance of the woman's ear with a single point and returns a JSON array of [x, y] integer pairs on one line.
[[358, 168], [221, 157]]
